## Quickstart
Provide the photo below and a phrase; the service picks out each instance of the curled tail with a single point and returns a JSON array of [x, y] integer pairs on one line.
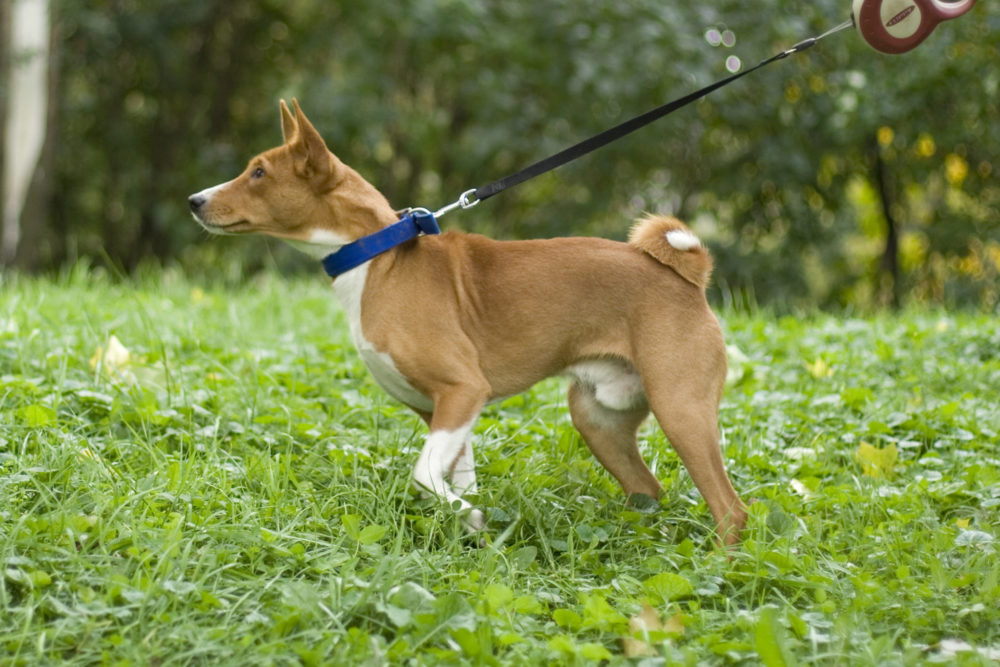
[[670, 242]]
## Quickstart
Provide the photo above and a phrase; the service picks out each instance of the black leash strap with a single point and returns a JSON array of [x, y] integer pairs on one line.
[[629, 126]]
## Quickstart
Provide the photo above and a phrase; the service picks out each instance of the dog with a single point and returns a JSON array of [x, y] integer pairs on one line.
[[449, 323]]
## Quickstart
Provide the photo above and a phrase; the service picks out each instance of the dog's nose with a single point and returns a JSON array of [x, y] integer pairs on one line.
[[196, 202]]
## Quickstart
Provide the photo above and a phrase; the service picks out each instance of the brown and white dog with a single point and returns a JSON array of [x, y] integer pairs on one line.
[[448, 323]]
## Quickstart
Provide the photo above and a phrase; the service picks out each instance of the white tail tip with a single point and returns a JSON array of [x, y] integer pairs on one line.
[[682, 239]]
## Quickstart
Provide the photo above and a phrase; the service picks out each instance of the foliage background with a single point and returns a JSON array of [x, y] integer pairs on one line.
[[797, 174]]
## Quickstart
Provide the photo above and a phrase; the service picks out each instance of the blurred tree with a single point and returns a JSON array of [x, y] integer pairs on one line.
[[5, 59], [26, 129], [793, 173], [146, 85], [851, 174]]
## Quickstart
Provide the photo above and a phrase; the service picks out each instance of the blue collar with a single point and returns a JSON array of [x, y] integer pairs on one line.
[[357, 253]]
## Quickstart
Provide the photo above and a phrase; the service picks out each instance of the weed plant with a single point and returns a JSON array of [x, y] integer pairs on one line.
[[223, 483]]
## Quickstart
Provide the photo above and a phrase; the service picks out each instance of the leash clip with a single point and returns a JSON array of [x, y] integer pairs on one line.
[[466, 200], [425, 221]]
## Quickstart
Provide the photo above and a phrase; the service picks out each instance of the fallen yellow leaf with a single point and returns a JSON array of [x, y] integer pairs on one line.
[[877, 462], [801, 489], [114, 360], [674, 624], [113, 357], [645, 623], [819, 368], [648, 620]]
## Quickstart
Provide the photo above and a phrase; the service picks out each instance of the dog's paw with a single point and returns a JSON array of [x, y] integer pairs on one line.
[[474, 520]]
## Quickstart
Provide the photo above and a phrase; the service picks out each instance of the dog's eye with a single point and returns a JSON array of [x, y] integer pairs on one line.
[[257, 173]]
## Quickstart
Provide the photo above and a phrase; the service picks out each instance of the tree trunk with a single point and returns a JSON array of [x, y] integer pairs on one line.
[[27, 119], [6, 46], [888, 276]]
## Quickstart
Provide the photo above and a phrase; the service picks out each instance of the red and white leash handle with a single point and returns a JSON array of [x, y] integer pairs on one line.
[[896, 26]]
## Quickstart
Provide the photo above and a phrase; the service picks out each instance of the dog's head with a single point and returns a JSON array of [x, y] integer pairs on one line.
[[298, 191]]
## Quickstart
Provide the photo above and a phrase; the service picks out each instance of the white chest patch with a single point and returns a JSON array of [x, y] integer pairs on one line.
[[348, 287], [321, 242]]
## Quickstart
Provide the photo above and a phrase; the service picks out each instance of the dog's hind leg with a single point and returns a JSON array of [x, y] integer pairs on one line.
[[684, 388], [611, 436], [695, 439]]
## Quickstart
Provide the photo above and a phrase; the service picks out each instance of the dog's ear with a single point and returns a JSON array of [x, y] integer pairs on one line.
[[288, 126], [313, 160]]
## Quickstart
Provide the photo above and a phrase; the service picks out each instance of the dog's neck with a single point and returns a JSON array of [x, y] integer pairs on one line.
[[353, 209]]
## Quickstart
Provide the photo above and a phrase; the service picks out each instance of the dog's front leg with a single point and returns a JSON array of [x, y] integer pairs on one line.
[[447, 454], [463, 473]]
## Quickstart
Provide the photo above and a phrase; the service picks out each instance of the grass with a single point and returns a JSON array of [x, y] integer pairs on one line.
[[235, 490]]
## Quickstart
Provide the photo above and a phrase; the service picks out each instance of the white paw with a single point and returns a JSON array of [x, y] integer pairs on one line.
[[474, 520]]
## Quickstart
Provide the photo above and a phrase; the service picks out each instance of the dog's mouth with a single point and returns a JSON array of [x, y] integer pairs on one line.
[[237, 227]]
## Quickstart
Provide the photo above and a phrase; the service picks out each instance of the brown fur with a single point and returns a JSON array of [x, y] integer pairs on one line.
[[465, 319], [649, 235]]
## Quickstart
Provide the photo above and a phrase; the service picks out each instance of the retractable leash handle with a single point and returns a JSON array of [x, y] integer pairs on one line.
[[896, 26]]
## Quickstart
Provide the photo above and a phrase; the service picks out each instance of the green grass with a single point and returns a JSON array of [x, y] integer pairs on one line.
[[238, 493]]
